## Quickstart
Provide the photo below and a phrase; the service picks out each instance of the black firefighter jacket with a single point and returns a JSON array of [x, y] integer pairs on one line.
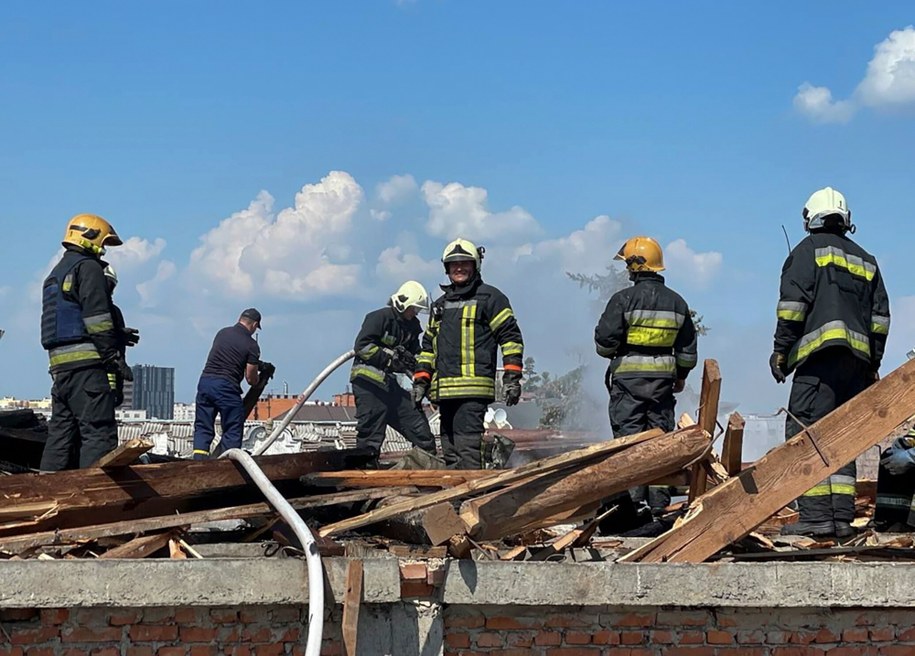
[[647, 332], [832, 294], [468, 326], [382, 331]]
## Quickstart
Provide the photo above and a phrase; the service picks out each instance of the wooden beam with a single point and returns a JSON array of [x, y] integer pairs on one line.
[[394, 477], [732, 449], [125, 454], [441, 522], [90, 496], [85, 533], [733, 509], [496, 479], [506, 512], [708, 418], [141, 547], [352, 602]]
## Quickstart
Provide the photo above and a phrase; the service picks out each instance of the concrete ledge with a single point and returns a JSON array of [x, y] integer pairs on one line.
[[770, 585], [208, 582]]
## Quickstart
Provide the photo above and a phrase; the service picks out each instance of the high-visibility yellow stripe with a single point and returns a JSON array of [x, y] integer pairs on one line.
[[368, 351], [369, 372], [791, 310], [843, 489], [604, 352], [851, 263], [648, 364], [73, 356], [512, 348], [500, 318], [468, 339], [821, 490], [791, 315], [646, 336], [833, 330], [202, 452]]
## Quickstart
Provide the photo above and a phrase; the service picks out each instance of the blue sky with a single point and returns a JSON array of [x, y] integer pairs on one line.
[[550, 132]]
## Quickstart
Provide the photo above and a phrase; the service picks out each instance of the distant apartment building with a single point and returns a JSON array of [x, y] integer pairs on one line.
[[154, 390], [128, 414], [127, 403], [184, 411]]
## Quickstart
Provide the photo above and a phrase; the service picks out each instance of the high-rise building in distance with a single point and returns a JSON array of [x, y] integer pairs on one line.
[[154, 390]]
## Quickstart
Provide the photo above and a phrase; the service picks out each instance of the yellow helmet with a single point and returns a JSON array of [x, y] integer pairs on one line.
[[410, 294], [462, 250], [641, 254], [824, 203], [91, 233]]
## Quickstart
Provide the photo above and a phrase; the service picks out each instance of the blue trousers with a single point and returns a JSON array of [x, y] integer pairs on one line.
[[223, 397]]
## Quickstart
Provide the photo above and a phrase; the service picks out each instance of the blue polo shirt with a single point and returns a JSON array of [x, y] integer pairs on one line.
[[233, 348]]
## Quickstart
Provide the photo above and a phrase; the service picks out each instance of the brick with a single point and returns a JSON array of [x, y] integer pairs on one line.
[[33, 636], [636, 619], [18, 614], [164, 615], [108, 651], [855, 635], [515, 639], [907, 635], [506, 623], [89, 634], [606, 637], [274, 649], [547, 638], [196, 634], [292, 634], [742, 651], [413, 571], [715, 637], [54, 616], [416, 589], [573, 651], [776, 637], [187, 615], [824, 636], [692, 638], [203, 650], [286, 614], [801, 637], [797, 651], [253, 615], [577, 638], [464, 621], [489, 639], [241, 650], [507, 652], [633, 637], [256, 634], [170, 651], [124, 618], [690, 651], [853, 651], [895, 650], [153, 633], [683, 618], [140, 651], [457, 640], [882, 634], [725, 621], [663, 637], [31, 651], [224, 615], [566, 621], [751, 637]]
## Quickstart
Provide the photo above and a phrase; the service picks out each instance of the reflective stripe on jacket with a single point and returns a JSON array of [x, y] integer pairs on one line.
[[832, 294], [467, 328], [647, 332], [382, 330]]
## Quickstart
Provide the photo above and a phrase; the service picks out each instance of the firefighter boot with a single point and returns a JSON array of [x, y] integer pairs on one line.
[[810, 529]]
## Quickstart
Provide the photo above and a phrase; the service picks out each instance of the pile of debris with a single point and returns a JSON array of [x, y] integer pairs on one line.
[[119, 509]]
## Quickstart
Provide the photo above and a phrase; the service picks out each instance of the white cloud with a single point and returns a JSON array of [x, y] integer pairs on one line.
[[587, 250], [148, 289], [817, 104], [890, 78], [456, 210], [295, 254], [134, 252], [380, 215], [889, 82], [695, 269], [396, 189], [397, 266]]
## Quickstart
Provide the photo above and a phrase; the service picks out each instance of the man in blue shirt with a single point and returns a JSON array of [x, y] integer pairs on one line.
[[234, 356]]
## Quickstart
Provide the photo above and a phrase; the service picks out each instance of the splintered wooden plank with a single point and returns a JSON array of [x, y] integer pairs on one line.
[[506, 512], [82, 534], [352, 602], [495, 479], [708, 417], [394, 477], [140, 547], [733, 509], [441, 522], [125, 454], [732, 449]]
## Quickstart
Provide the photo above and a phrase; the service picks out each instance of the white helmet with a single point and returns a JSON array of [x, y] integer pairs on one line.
[[822, 204], [112, 276], [462, 250], [410, 294]]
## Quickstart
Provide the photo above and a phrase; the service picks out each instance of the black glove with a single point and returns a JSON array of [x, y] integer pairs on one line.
[[779, 366], [131, 336], [420, 389], [511, 387], [120, 368], [402, 361], [265, 369]]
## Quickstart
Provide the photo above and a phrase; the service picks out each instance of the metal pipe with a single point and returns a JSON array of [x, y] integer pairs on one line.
[[303, 397], [303, 533]]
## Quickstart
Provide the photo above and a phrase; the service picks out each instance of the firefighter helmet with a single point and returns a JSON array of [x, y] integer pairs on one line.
[[821, 205], [91, 233], [462, 250], [641, 254], [410, 294]]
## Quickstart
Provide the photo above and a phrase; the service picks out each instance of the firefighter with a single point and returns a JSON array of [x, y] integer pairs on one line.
[[127, 337], [647, 332], [78, 331], [457, 365], [833, 320], [895, 511], [387, 345]]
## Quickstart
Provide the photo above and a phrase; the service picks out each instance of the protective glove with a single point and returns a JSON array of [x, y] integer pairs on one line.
[[899, 461], [679, 385], [420, 389], [119, 367], [131, 336], [778, 363], [402, 361], [265, 369], [511, 387]]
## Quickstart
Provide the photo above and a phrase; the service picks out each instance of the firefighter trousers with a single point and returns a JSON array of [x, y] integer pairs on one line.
[[378, 408], [895, 498], [462, 432], [217, 396], [822, 383], [82, 427]]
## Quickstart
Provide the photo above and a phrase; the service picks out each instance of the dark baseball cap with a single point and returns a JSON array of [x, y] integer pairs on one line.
[[253, 315]]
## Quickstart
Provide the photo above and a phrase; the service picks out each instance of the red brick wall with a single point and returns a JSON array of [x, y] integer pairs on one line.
[[593, 631], [251, 631]]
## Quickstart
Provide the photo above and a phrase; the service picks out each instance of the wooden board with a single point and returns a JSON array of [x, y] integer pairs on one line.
[[94, 496], [352, 602], [125, 454], [140, 547], [85, 533], [506, 512], [733, 509], [708, 419], [441, 522], [495, 479], [732, 449], [441, 478]]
